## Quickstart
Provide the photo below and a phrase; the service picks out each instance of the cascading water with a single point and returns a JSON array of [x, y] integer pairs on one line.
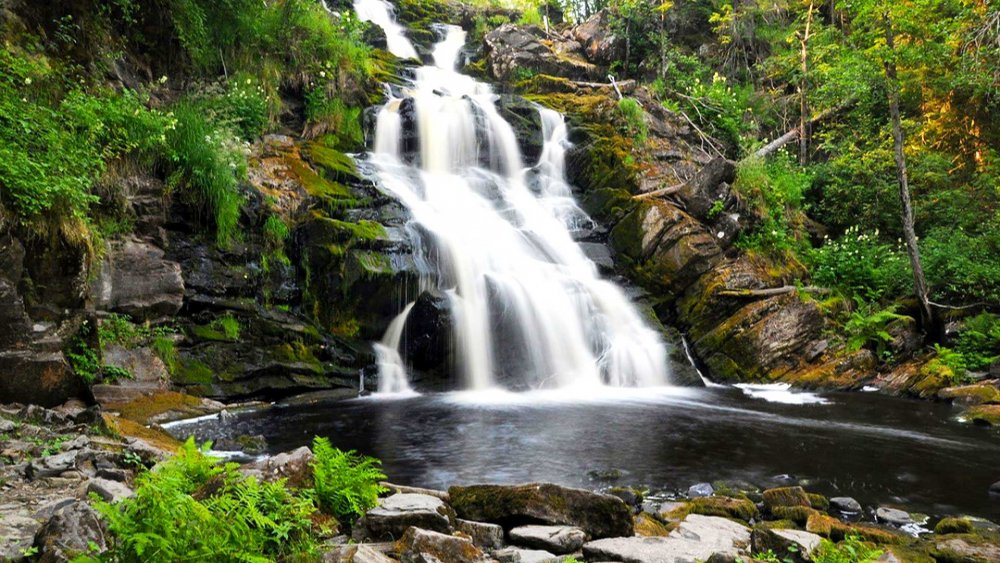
[[379, 12], [526, 302]]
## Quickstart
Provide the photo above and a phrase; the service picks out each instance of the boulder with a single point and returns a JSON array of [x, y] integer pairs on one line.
[[110, 491], [425, 546], [697, 538], [599, 44], [427, 334], [136, 279], [556, 539], [511, 47], [970, 549], [701, 490], [52, 466], [794, 545], [70, 532], [893, 516], [395, 514], [785, 496], [39, 376], [518, 555], [599, 515], [12, 314], [294, 466], [484, 535], [845, 505]]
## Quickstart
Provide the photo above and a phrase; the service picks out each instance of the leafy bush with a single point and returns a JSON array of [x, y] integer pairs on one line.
[[868, 327], [190, 508], [209, 163], [963, 266], [772, 191], [948, 364], [346, 483], [851, 550], [862, 265], [635, 119], [979, 341], [244, 107], [328, 114]]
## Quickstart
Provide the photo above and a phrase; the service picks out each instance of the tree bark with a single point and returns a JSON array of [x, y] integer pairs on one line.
[[803, 92], [909, 234], [771, 292]]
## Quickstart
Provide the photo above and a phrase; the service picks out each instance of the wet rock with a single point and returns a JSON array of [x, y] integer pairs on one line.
[[893, 516], [12, 314], [394, 514], [425, 546], [845, 504], [6, 426], [599, 515], [484, 536], [110, 491], [696, 539], [701, 490], [136, 279], [556, 539], [70, 532], [427, 334], [795, 545], [294, 466], [739, 509], [980, 393], [527, 124]]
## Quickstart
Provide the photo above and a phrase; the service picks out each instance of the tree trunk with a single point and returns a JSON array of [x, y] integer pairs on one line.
[[803, 93], [909, 234], [793, 134]]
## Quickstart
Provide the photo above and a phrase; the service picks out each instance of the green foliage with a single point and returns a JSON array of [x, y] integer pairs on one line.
[[868, 327], [166, 350], [948, 364], [191, 508], [57, 138], [346, 483], [208, 163], [121, 331], [245, 106], [851, 550], [772, 191], [224, 328], [328, 115], [83, 359], [530, 16], [635, 119], [963, 266], [861, 265], [979, 341]]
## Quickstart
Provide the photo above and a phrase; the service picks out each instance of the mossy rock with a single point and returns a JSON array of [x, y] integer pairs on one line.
[[818, 501], [965, 548], [985, 415], [785, 496], [647, 526], [978, 394], [147, 407], [836, 530], [726, 507], [953, 526], [798, 514]]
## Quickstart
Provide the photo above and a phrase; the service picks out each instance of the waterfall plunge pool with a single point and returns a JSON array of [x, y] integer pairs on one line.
[[877, 449]]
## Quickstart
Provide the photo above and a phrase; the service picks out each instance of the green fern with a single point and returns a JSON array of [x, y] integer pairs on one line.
[[868, 328], [346, 484]]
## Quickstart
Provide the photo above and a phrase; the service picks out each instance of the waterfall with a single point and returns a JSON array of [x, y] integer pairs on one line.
[[380, 13], [526, 302]]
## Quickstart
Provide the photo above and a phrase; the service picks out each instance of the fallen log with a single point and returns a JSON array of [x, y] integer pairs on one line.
[[771, 292], [792, 135]]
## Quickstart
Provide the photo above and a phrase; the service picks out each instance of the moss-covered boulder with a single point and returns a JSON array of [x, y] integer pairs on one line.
[[739, 509], [601, 516]]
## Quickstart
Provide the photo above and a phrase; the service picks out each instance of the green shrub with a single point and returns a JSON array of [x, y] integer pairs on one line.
[[190, 508], [635, 119], [948, 364], [851, 550], [346, 483], [208, 164], [862, 265], [83, 359], [245, 107], [963, 267], [979, 341], [773, 192], [530, 16], [327, 114], [868, 327]]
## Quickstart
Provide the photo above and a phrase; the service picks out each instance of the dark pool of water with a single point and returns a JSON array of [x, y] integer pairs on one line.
[[874, 448]]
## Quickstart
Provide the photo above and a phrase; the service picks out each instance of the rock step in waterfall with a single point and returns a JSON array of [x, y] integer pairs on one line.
[[496, 238]]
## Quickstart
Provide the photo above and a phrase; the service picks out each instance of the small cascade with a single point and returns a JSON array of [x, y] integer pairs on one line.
[[528, 307], [392, 373], [380, 13]]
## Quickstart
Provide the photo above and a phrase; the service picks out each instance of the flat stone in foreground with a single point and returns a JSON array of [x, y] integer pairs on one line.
[[420, 546], [394, 514], [696, 539], [556, 539], [600, 516]]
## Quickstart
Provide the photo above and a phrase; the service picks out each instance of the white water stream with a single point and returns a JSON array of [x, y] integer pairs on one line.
[[498, 236]]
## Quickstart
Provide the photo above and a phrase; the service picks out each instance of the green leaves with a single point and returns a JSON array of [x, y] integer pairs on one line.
[[346, 483]]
